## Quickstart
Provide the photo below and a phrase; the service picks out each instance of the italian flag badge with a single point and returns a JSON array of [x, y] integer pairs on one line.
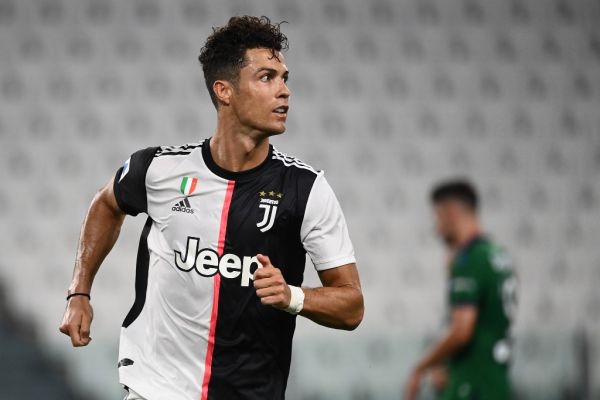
[[188, 185]]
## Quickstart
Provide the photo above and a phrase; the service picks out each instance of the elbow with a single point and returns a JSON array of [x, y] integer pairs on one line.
[[352, 324], [355, 317]]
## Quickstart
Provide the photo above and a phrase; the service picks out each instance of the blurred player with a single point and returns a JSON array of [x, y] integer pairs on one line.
[[476, 348], [221, 258]]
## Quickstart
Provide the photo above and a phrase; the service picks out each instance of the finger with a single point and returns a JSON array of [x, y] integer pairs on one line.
[[84, 331], [269, 281], [64, 324], [269, 291], [64, 329], [270, 300], [262, 273], [74, 333], [264, 260]]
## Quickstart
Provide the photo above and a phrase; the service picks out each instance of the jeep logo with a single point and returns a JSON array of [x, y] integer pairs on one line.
[[207, 262]]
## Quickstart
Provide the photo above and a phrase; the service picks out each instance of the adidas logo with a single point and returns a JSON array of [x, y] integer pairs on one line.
[[183, 206]]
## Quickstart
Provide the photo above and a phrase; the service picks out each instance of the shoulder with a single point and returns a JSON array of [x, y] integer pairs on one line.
[[496, 257], [165, 158], [473, 259], [150, 154], [294, 164], [174, 151], [488, 256], [299, 174]]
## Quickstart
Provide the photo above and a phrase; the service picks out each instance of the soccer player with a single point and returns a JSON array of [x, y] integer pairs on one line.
[[221, 258], [482, 287]]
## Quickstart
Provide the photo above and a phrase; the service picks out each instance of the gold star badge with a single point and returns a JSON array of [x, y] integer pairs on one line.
[[272, 193], [262, 193], [280, 195]]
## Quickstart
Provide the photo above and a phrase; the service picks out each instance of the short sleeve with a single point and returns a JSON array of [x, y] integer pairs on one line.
[[130, 182], [465, 284], [324, 233]]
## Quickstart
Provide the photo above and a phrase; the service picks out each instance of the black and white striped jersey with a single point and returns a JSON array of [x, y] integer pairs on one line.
[[197, 330]]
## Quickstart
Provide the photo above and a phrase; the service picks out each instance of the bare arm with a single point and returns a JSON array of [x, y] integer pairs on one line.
[[338, 304], [99, 233], [458, 335]]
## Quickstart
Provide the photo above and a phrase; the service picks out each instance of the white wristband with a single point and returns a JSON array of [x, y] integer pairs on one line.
[[296, 301]]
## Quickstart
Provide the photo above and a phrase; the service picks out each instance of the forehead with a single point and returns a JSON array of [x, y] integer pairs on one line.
[[263, 58], [447, 205]]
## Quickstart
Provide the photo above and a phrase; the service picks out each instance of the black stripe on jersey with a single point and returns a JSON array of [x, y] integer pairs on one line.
[[253, 345], [141, 276], [186, 202], [130, 189]]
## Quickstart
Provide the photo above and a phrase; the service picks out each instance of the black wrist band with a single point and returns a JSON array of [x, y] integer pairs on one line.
[[78, 294]]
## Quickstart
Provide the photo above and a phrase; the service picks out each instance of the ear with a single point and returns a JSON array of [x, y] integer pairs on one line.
[[223, 91]]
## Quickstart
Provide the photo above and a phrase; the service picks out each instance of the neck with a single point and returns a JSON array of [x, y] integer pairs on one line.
[[237, 148], [465, 234]]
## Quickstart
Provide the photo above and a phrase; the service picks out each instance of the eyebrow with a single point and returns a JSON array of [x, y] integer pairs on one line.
[[271, 70]]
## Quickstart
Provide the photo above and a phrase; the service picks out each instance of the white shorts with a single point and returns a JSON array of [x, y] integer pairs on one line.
[[133, 396]]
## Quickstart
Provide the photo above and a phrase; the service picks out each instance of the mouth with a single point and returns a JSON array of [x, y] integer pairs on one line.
[[282, 111]]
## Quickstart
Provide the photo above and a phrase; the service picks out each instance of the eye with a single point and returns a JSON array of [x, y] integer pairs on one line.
[[265, 78]]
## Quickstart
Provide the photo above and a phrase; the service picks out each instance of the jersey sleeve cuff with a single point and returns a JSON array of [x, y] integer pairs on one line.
[[334, 263], [117, 192]]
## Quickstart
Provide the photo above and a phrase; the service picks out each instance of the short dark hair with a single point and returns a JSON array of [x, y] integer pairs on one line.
[[223, 54], [458, 189]]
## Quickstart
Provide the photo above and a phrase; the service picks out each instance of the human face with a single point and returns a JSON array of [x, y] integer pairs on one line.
[[448, 214], [260, 97]]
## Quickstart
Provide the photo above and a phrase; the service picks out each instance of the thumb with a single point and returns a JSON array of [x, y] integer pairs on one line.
[[264, 260]]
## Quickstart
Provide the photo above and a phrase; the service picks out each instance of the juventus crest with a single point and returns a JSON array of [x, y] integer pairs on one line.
[[268, 203]]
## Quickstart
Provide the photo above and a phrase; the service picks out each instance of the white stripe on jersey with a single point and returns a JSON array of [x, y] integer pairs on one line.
[[289, 161]]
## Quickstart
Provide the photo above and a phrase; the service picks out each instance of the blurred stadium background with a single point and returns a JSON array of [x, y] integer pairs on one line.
[[388, 97]]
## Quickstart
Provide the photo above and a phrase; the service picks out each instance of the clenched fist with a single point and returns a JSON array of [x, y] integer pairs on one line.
[[270, 285], [77, 321]]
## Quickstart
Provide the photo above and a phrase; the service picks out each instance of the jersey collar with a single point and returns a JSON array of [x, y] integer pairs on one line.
[[230, 175], [462, 253]]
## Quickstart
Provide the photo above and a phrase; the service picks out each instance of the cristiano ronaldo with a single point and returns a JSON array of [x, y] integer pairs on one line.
[[221, 257]]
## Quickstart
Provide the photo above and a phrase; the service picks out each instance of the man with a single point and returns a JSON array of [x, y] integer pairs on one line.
[[221, 257], [482, 292]]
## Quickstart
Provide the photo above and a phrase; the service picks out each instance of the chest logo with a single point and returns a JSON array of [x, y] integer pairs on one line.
[[268, 203], [188, 185], [183, 206], [207, 262]]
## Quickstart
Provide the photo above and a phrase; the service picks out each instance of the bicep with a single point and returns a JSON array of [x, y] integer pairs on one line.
[[106, 199], [342, 276]]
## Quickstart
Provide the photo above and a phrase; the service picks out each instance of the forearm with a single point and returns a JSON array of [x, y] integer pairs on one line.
[[335, 307], [99, 233], [441, 351], [459, 334]]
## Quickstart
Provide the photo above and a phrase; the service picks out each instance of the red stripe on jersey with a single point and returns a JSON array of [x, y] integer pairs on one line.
[[216, 288], [193, 185], [224, 216]]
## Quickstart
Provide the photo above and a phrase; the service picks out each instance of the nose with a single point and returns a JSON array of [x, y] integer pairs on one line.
[[284, 91]]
